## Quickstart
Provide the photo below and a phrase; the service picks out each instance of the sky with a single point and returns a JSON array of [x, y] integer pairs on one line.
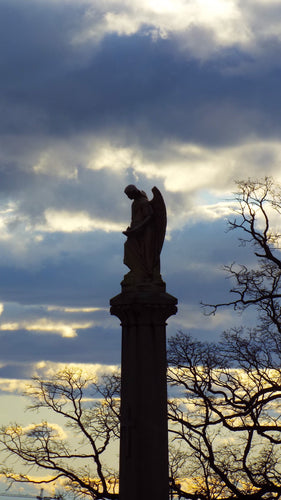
[[96, 95]]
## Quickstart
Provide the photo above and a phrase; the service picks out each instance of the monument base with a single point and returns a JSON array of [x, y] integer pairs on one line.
[[143, 312]]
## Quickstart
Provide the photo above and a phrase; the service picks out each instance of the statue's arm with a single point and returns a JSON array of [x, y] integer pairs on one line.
[[147, 214], [137, 227]]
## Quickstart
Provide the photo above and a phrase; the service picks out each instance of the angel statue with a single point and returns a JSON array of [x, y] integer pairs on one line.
[[145, 238]]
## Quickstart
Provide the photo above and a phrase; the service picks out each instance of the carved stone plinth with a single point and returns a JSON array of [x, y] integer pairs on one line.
[[144, 429]]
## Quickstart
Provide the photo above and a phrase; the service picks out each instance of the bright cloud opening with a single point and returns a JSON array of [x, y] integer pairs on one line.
[[164, 18], [69, 222]]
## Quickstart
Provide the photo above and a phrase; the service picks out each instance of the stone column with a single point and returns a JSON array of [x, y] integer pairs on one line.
[[144, 430]]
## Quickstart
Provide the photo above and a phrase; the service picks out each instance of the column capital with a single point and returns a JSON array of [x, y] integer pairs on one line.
[[142, 307]]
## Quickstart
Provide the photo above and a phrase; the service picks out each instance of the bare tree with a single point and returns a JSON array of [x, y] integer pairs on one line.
[[259, 203], [93, 426], [226, 417]]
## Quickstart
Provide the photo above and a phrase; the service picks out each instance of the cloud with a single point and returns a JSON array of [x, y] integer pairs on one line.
[[53, 430], [74, 309], [45, 325], [36, 334], [219, 23], [182, 95], [132, 85], [69, 222], [94, 200], [46, 369], [60, 320], [204, 30], [187, 320], [24, 371], [13, 385]]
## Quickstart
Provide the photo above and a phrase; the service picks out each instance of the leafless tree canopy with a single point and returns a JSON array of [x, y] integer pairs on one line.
[[258, 224], [78, 461], [226, 417]]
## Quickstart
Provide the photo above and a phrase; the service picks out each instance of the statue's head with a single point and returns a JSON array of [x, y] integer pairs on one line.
[[132, 191]]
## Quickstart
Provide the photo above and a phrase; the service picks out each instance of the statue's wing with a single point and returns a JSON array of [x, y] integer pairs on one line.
[[160, 217]]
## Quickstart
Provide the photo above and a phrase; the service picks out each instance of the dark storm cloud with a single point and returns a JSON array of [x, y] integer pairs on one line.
[[98, 193], [34, 334], [34, 38], [193, 261], [90, 346], [128, 82], [63, 103], [95, 192], [80, 274]]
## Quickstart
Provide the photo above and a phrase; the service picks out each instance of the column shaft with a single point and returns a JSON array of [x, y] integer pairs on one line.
[[144, 429]]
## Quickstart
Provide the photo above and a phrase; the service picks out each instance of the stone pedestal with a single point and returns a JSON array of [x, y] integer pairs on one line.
[[144, 430]]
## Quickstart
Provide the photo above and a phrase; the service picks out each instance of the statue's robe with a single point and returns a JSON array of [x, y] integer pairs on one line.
[[139, 249], [143, 246]]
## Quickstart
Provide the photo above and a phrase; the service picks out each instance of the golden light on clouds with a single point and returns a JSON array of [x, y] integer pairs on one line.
[[46, 369], [76, 309], [11, 385], [46, 325], [91, 370], [55, 430]]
